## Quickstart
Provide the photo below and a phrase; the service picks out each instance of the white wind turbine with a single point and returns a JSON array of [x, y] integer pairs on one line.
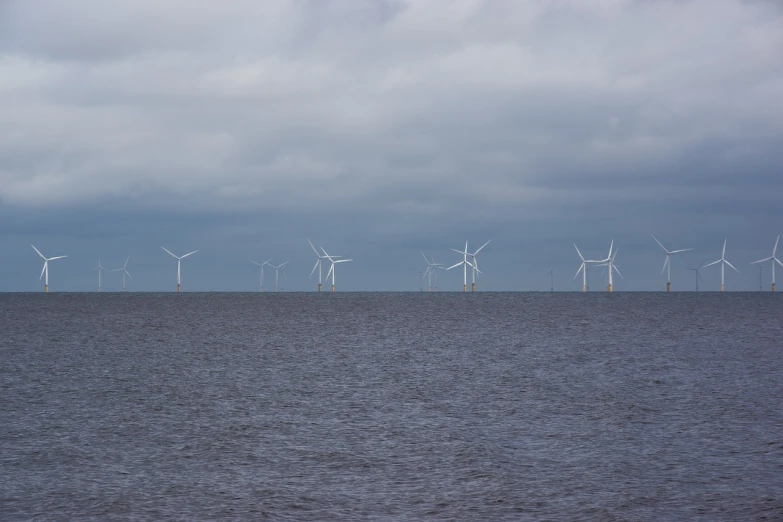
[[465, 264], [99, 268], [609, 263], [667, 262], [334, 260], [179, 261], [261, 270], [583, 268], [124, 271], [432, 266], [723, 264], [45, 269], [278, 269], [318, 264], [476, 270], [773, 259]]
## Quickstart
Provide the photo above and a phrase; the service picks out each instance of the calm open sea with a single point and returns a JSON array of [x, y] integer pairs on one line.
[[510, 406]]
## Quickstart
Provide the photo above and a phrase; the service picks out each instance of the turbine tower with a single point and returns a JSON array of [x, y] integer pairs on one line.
[[773, 259], [667, 263], [431, 267], [124, 271], [261, 269], [179, 261], [609, 263], [465, 264], [99, 268], [723, 262], [583, 268], [334, 260], [45, 269]]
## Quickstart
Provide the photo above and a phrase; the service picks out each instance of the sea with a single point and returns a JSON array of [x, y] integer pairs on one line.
[[391, 406]]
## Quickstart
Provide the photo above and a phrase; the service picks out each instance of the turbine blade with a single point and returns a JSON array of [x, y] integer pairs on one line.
[[425, 257], [482, 246], [724, 248], [457, 251], [581, 267], [39, 252], [43, 269], [342, 260], [331, 268], [128, 274], [665, 262], [618, 271], [455, 266], [126, 263], [681, 250], [713, 263], [578, 252], [58, 257], [267, 262], [732, 266], [661, 244], [610, 249], [257, 264], [761, 260], [314, 267], [189, 254], [778, 260], [775, 248], [314, 250]]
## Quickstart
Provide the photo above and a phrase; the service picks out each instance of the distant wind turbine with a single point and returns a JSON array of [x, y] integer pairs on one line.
[[179, 261], [99, 268], [773, 259], [261, 270], [465, 264], [476, 270], [698, 275], [278, 269], [318, 264], [723, 262], [667, 262], [45, 269], [334, 260], [583, 268], [609, 264], [432, 266], [125, 272]]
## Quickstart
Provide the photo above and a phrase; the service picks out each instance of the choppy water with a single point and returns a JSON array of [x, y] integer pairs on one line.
[[391, 406]]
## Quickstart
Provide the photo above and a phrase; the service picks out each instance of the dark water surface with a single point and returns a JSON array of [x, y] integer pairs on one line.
[[391, 406]]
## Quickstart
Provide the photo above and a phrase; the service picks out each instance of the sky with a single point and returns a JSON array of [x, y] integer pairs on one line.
[[379, 129]]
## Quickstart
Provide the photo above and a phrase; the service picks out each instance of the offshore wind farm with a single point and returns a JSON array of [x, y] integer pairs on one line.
[[435, 260]]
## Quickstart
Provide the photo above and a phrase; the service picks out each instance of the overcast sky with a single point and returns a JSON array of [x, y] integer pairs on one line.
[[382, 128]]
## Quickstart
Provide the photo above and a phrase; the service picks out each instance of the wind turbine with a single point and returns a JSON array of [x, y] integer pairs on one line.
[[583, 268], [261, 269], [46, 266], [333, 260], [431, 267], [667, 263], [124, 271], [609, 263], [723, 264], [465, 264], [99, 268], [698, 275], [318, 264], [773, 259], [476, 270], [279, 268], [179, 261]]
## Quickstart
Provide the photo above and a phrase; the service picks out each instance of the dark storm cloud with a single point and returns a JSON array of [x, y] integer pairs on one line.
[[410, 121]]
